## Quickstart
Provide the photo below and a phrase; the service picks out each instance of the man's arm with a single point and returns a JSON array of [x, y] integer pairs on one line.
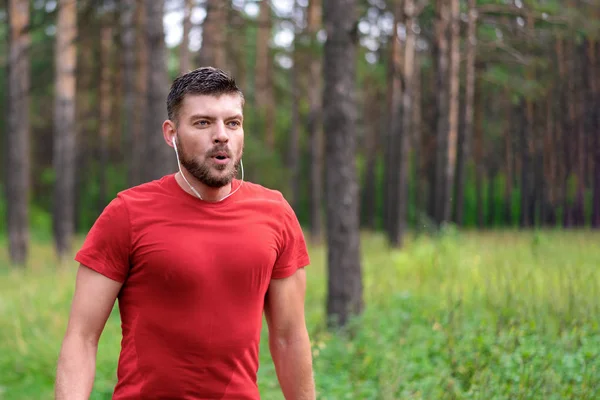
[[93, 301], [288, 337]]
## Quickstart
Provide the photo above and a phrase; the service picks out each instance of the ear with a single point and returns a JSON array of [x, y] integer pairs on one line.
[[169, 131]]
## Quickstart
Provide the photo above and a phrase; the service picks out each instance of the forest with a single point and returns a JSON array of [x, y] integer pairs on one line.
[[427, 129], [481, 114]]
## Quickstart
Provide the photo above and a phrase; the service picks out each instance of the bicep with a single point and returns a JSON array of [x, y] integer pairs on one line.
[[93, 300], [284, 304]]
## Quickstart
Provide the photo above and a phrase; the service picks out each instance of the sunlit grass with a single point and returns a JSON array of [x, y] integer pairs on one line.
[[495, 315]]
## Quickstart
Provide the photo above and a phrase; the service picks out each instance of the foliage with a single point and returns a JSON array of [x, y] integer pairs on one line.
[[464, 315], [504, 55]]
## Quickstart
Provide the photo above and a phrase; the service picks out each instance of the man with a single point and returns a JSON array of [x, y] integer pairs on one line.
[[194, 258]]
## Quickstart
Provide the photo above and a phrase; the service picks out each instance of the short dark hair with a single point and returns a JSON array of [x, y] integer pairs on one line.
[[205, 80]]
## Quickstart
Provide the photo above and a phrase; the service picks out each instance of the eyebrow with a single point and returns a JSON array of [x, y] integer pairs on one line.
[[210, 118]]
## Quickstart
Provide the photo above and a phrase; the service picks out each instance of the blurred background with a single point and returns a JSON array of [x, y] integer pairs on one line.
[[465, 148]]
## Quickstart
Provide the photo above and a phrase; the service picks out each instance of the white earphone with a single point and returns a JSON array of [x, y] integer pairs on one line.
[[191, 187]]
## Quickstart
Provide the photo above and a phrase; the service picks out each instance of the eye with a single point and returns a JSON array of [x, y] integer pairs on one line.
[[234, 124], [201, 122]]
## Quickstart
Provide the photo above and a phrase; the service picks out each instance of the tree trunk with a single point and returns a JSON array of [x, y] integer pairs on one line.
[[479, 161], [86, 115], [538, 206], [418, 148], [265, 103], [106, 39], [391, 140], [138, 134], [491, 198], [562, 126], [184, 49], [372, 109], [442, 105], [293, 158], [467, 132], [549, 161], [596, 190], [595, 65], [214, 43], [397, 234], [527, 166], [64, 127], [162, 156], [508, 160], [344, 294], [527, 141], [128, 43], [117, 153], [571, 138], [453, 109], [580, 87], [18, 181], [314, 123]]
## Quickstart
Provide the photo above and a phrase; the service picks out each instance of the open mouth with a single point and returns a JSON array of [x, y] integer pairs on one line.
[[221, 158]]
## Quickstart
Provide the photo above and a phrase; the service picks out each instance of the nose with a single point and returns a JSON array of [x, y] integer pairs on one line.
[[220, 135]]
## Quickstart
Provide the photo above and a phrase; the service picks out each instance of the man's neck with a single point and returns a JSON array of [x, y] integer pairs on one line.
[[207, 193]]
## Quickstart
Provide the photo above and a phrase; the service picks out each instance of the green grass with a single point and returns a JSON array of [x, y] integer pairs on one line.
[[495, 315]]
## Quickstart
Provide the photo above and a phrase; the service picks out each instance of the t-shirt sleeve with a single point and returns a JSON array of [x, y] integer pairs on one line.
[[106, 246], [293, 253]]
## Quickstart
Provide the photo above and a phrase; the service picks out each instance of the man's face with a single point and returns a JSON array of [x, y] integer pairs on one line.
[[210, 137]]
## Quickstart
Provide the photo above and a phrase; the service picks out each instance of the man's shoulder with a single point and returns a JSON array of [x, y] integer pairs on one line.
[[139, 197], [263, 193], [145, 189]]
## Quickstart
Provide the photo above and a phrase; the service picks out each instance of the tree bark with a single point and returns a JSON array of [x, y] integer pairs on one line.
[[549, 196], [571, 138], [106, 39], [184, 49], [480, 166], [138, 135], [453, 109], [162, 156], [86, 114], [467, 132], [491, 198], [344, 294], [594, 49], [508, 160], [562, 126], [394, 104], [18, 173], [265, 102], [128, 43], [527, 166], [64, 127], [293, 158], [418, 148], [372, 109], [397, 235], [527, 138], [596, 189], [314, 123], [442, 105], [117, 85], [580, 87], [237, 47], [214, 36]]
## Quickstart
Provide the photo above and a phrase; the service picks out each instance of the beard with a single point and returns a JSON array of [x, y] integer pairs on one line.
[[204, 171]]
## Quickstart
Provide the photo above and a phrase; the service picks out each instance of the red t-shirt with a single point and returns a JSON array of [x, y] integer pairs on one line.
[[194, 278]]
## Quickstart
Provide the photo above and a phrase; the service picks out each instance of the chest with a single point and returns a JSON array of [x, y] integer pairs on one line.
[[199, 256]]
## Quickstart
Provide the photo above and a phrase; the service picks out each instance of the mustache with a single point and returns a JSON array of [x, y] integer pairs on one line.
[[220, 150]]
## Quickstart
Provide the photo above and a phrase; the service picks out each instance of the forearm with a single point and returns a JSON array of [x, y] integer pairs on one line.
[[293, 364], [76, 369]]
